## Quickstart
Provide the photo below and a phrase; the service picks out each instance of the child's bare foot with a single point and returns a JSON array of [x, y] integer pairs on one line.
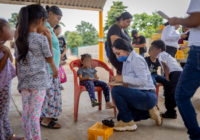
[[109, 105]]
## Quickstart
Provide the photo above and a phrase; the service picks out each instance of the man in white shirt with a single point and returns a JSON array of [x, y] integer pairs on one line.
[[171, 38], [190, 78]]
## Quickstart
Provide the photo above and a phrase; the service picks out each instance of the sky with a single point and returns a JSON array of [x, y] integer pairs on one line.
[[72, 17]]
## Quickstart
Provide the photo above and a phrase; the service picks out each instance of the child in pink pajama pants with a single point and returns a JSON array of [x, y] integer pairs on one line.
[[32, 52]]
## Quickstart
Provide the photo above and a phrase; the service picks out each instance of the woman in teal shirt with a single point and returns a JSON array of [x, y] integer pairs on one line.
[[52, 106]]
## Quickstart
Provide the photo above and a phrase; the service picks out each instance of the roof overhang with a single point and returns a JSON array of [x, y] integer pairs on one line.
[[95, 5]]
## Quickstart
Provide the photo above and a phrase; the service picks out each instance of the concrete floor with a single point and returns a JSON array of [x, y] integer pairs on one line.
[[88, 116]]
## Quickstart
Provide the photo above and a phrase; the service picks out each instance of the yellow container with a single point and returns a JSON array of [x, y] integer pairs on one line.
[[186, 56], [179, 52], [154, 35], [160, 27], [185, 51], [154, 39], [99, 132], [185, 42], [137, 50], [159, 35]]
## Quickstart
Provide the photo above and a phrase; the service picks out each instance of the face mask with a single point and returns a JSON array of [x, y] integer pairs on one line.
[[122, 58]]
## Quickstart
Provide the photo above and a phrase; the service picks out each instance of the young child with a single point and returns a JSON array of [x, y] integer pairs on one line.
[[153, 64], [89, 79], [62, 44], [32, 52], [172, 73], [7, 73]]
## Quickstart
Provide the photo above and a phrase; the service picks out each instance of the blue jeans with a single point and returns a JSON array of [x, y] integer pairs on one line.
[[187, 86], [142, 55], [160, 79], [133, 104]]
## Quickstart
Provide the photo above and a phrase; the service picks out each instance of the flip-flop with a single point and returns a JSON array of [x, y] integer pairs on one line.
[[50, 125], [16, 138]]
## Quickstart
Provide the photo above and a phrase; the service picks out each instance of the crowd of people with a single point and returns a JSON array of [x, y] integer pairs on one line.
[[39, 51]]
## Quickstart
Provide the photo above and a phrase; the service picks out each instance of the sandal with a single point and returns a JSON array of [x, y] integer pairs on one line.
[[50, 125], [54, 119], [13, 137]]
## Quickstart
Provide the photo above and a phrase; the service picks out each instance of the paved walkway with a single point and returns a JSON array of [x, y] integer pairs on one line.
[[88, 116]]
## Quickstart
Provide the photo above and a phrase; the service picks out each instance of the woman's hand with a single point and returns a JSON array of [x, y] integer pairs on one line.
[[184, 36], [48, 34], [55, 71], [117, 79]]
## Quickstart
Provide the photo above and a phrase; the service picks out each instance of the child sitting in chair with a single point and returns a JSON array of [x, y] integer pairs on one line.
[[89, 79]]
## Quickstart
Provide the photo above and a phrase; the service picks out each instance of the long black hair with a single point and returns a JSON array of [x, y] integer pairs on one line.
[[124, 16], [56, 27], [54, 9], [28, 15], [3, 23], [122, 44]]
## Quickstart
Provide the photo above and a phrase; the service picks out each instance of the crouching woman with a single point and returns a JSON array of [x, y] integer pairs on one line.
[[137, 101]]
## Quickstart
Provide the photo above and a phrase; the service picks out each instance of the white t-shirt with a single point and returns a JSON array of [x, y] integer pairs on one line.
[[170, 62], [194, 38], [170, 36]]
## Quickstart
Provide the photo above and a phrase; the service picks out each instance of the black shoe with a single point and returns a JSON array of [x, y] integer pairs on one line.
[[95, 103], [169, 116]]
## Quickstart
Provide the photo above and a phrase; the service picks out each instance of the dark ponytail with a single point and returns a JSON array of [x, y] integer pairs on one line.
[[122, 44], [28, 15], [56, 27], [54, 9], [124, 16]]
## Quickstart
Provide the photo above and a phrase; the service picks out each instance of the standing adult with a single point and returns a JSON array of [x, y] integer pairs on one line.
[[171, 38], [139, 41], [190, 77], [52, 106], [118, 31]]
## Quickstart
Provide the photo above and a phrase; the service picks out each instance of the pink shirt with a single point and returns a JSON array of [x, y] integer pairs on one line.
[[8, 73]]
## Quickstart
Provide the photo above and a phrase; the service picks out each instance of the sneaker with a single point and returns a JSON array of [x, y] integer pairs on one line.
[[109, 105], [156, 116], [169, 116], [95, 103], [122, 126]]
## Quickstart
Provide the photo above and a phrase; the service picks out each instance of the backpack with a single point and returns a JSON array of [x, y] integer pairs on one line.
[[107, 50]]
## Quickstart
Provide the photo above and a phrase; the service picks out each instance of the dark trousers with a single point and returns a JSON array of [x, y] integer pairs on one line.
[[90, 86], [133, 104], [186, 88], [170, 102], [171, 50]]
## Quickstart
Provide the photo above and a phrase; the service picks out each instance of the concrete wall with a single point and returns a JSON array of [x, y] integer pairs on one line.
[[94, 50]]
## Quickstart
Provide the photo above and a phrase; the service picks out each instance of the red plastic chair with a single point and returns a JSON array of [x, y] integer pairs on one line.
[[157, 90], [79, 89]]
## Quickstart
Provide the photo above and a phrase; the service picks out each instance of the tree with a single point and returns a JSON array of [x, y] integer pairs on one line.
[[61, 23], [88, 33], [66, 34], [116, 10], [13, 20], [74, 40], [147, 24]]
